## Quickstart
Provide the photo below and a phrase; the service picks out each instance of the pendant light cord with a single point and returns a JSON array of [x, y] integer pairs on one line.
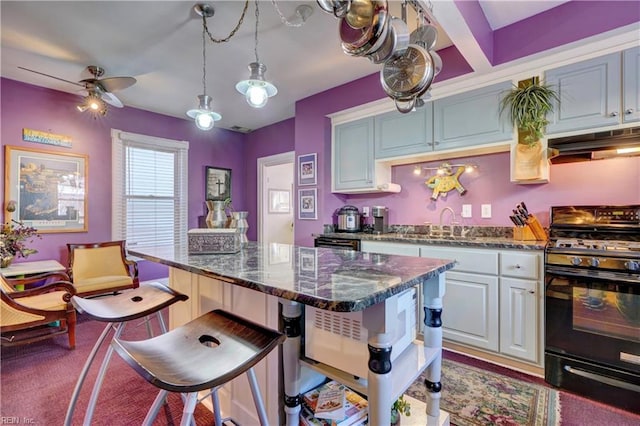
[[284, 19], [204, 56], [233, 32], [256, 32]]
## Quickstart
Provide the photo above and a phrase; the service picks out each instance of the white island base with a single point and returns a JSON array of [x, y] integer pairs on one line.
[[207, 293]]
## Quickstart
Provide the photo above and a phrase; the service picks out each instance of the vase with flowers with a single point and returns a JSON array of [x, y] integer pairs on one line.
[[14, 239]]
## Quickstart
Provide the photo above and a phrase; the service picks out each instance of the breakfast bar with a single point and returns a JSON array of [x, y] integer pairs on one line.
[[280, 286]]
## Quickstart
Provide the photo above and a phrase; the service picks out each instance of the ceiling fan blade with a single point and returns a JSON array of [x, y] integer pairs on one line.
[[113, 84], [111, 99], [47, 75]]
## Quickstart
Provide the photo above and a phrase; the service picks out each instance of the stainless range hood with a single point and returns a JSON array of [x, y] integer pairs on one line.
[[596, 146]]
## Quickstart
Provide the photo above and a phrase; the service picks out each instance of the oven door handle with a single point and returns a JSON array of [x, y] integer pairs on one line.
[[597, 275]]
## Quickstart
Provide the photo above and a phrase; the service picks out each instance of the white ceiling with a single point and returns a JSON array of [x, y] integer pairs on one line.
[[160, 44]]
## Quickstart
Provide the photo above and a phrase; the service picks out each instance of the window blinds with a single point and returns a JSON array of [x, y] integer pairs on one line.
[[149, 190]]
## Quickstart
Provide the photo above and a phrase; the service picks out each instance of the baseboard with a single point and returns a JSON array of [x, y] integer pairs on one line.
[[512, 364]]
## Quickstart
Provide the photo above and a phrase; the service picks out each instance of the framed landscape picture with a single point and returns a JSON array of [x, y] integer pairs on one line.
[[217, 184], [48, 189]]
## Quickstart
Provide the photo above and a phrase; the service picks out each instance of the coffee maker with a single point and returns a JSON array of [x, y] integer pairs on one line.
[[380, 219]]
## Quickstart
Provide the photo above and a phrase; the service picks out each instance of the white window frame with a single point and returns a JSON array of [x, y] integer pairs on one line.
[[120, 140]]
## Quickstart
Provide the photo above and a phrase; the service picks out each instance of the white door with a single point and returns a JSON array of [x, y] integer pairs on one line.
[[275, 198]]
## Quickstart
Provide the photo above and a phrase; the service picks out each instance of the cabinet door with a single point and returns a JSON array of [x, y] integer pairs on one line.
[[589, 94], [518, 318], [631, 85], [353, 162], [471, 118], [470, 310], [398, 134]]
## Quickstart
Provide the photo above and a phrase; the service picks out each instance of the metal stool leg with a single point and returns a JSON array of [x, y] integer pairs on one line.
[[217, 421], [155, 407], [257, 397], [189, 408], [98, 383], [83, 374]]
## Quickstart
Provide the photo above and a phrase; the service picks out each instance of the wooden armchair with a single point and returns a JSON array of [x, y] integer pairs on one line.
[[99, 268], [30, 315]]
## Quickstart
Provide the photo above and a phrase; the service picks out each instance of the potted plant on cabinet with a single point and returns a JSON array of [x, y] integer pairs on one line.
[[400, 406], [528, 104]]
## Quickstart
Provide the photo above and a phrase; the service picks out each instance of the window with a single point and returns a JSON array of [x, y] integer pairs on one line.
[[149, 190]]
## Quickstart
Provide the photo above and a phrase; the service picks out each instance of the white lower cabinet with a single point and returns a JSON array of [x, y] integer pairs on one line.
[[518, 310], [470, 310]]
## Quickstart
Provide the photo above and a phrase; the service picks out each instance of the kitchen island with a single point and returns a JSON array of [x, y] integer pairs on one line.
[[254, 281]]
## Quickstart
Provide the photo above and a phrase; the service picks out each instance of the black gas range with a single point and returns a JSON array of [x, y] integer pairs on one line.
[[592, 302]]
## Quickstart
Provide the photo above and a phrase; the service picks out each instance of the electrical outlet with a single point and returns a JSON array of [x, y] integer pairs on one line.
[[365, 212], [485, 211], [466, 210]]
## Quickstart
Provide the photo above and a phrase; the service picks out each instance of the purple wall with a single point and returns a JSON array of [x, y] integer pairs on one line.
[[566, 23], [26, 106], [614, 181]]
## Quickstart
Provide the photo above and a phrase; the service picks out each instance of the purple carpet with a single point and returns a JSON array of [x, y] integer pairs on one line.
[[37, 381]]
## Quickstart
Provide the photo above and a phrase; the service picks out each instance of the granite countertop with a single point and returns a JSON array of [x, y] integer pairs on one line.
[[501, 242], [334, 280]]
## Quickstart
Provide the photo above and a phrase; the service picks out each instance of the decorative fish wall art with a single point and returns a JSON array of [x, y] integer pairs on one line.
[[445, 182]]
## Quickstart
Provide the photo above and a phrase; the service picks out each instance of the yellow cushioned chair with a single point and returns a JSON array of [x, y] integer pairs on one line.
[[99, 268], [30, 315]]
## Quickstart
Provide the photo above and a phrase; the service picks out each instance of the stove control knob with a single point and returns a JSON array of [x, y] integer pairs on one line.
[[595, 262], [632, 265], [575, 261]]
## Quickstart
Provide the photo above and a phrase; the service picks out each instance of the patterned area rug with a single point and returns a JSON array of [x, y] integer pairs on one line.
[[478, 397]]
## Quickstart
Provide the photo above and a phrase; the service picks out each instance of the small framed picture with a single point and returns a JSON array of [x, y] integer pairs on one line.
[[307, 170], [217, 184], [279, 201], [307, 207]]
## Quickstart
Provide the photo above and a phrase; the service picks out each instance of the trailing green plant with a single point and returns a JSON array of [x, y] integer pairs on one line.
[[528, 107]]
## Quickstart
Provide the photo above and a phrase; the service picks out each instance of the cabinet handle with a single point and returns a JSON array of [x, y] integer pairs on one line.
[[628, 111], [613, 114], [436, 143], [517, 266], [532, 292]]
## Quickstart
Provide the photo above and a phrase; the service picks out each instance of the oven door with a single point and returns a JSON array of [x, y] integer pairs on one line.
[[593, 316]]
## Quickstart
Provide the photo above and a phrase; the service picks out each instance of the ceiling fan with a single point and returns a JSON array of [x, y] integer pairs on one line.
[[99, 92]]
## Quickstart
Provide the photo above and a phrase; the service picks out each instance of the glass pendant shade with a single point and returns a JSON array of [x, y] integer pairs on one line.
[[256, 90], [203, 116]]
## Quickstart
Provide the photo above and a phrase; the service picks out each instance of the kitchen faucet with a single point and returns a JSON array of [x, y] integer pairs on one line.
[[453, 219]]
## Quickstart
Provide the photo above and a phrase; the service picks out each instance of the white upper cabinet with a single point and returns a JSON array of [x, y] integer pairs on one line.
[[398, 134], [471, 118], [598, 92]]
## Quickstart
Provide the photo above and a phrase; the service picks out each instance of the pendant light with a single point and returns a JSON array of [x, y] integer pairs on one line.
[[256, 89], [204, 117]]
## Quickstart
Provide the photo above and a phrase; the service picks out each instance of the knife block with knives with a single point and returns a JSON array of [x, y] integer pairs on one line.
[[528, 228]]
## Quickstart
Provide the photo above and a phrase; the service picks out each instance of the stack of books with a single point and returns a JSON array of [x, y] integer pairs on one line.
[[333, 404]]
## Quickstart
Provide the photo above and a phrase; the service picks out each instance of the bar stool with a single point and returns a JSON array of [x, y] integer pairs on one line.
[[201, 355], [117, 310]]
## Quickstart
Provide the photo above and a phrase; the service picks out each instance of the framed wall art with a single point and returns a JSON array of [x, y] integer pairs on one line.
[[49, 189], [307, 208], [217, 184], [307, 170]]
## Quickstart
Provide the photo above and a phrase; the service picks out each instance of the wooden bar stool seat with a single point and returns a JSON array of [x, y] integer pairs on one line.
[[201, 355], [147, 299]]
